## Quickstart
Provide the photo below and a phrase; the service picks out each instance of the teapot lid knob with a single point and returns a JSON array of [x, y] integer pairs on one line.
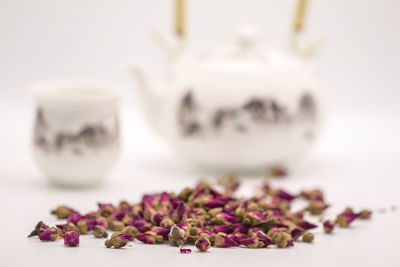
[[247, 36]]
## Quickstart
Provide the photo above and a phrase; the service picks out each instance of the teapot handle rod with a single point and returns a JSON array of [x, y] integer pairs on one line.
[[300, 15], [308, 50], [180, 18]]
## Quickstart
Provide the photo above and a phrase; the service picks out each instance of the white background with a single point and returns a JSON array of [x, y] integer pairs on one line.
[[356, 160]]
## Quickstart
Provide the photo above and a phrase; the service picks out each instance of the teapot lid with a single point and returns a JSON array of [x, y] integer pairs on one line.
[[246, 55]]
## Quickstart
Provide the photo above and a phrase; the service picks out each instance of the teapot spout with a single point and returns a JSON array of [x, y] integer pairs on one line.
[[151, 94]]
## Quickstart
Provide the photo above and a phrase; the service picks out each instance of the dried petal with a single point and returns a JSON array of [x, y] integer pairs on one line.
[[185, 250], [345, 218], [282, 194], [306, 225]]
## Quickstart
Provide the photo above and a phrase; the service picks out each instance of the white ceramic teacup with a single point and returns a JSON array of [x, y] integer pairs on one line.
[[76, 132]]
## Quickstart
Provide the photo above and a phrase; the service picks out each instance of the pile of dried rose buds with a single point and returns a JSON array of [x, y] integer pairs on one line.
[[201, 216]]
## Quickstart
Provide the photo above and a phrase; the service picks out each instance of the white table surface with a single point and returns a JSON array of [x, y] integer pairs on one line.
[[355, 162]]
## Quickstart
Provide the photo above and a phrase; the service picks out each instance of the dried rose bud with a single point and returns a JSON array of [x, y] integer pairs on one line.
[[106, 209], [166, 222], [131, 230], [180, 213], [117, 216], [40, 227], [150, 237], [101, 221], [117, 240], [306, 225], [74, 218], [49, 234], [349, 209], [100, 232], [241, 209], [296, 232], [263, 240], [240, 228], [329, 225], [82, 226], [317, 207], [223, 240], [253, 218], [230, 183], [227, 229], [278, 171], [63, 212], [282, 239], [67, 227], [177, 236], [185, 194], [308, 237], [156, 218], [365, 214], [250, 242], [71, 239], [213, 212], [141, 224], [300, 214], [345, 218], [116, 225], [91, 215], [250, 206], [224, 218], [203, 243]]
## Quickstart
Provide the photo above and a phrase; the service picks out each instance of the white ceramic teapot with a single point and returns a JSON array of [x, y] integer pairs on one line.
[[242, 107]]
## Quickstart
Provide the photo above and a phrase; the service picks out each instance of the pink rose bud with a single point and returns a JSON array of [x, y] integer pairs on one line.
[[50, 234], [329, 225], [203, 244], [71, 239]]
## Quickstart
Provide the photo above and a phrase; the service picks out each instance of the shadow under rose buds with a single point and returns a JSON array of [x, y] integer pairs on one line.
[[71, 239]]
